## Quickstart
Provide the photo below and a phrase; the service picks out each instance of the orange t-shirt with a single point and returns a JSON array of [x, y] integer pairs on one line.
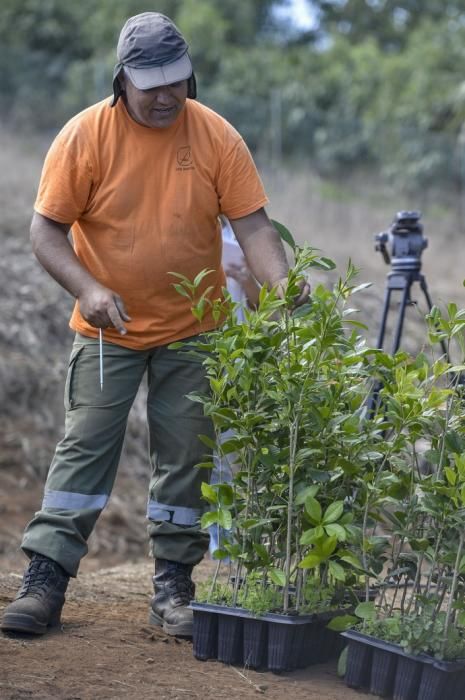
[[145, 202]]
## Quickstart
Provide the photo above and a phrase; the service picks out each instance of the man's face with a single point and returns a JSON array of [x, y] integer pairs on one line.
[[158, 107]]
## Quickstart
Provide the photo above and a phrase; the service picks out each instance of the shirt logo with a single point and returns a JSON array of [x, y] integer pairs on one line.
[[184, 158]]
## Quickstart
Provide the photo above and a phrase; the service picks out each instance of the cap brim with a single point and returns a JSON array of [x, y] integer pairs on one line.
[[147, 78]]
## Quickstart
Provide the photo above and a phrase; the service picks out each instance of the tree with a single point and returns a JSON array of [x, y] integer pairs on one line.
[[389, 22]]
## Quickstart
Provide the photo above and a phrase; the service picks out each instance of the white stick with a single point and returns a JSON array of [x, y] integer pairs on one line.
[[100, 338]]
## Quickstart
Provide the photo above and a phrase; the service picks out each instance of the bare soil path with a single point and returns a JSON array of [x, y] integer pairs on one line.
[[106, 649]]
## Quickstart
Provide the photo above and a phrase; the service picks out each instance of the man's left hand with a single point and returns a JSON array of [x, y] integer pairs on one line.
[[301, 298]]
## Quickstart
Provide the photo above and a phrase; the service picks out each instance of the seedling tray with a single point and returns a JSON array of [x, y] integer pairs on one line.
[[384, 669], [273, 642]]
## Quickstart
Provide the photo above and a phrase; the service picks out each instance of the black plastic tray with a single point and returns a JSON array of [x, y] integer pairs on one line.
[[384, 669], [275, 642]]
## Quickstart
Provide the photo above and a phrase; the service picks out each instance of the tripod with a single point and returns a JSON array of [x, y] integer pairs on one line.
[[402, 279], [407, 243]]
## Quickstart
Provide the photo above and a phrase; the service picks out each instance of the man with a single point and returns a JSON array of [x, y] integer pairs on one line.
[[140, 180]]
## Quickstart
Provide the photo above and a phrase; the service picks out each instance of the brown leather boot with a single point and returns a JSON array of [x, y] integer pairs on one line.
[[174, 590], [40, 599]]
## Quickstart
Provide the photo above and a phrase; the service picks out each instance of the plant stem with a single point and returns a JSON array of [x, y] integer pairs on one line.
[[298, 583], [433, 560], [293, 433], [443, 439], [452, 593], [441, 593], [214, 579]]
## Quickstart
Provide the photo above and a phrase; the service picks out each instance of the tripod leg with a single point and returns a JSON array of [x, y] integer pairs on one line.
[[382, 330], [400, 320], [373, 398]]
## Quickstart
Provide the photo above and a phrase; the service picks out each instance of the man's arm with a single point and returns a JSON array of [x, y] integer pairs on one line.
[[264, 252], [99, 306]]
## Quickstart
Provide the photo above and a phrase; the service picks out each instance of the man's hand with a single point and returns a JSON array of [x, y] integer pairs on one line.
[[103, 308], [301, 298]]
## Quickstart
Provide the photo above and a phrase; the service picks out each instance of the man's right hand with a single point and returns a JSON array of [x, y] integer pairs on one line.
[[103, 308], [100, 306]]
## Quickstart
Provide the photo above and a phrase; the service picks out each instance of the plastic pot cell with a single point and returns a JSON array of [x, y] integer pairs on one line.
[[230, 630], [407, 679], [205, 635], [383, 673], [255, 643], [359, 660]]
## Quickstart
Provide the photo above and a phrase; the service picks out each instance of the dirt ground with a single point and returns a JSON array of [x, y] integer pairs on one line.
[[105, 648]]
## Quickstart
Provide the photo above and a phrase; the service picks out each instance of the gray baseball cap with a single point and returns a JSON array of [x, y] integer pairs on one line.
[[152, 52]]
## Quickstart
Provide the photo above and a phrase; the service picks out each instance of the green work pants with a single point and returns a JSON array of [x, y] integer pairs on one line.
[[84, 467]]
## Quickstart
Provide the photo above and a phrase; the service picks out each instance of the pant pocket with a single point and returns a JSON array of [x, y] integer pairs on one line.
[[69, 400]]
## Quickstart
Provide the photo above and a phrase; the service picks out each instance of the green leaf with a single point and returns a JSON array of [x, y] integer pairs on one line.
[[277, 576], [336, 571], [366, 611], [209, 518], [312, 535], [336, 530], [341, 623], [310, 561], [360, 287], [333, 512], [220, 554], [324, 263], [225, 519], [308, 491], [179, 276], [268, 457], [181, 290], [230, 446], [203, 273], [313, 509], [285, 234], [225, 494], [261, 550], [208, 441], [356, 324], [205, 465], [198, 310], [209, 493], [328, 546], [302, 310], [342, 662]]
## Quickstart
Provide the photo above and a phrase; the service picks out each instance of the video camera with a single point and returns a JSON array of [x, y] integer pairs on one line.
[[403, 243]]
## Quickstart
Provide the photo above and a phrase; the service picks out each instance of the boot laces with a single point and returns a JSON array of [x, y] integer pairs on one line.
[[39, 571], [181, 587]]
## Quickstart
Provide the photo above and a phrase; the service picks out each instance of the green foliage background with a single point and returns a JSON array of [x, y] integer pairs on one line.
[[376, 82]]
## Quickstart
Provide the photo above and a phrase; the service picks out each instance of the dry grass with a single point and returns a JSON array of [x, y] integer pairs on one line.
[[341, 219]]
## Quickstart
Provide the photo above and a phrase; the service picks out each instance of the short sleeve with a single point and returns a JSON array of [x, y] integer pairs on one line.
[[66, 179], [240, 188]]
